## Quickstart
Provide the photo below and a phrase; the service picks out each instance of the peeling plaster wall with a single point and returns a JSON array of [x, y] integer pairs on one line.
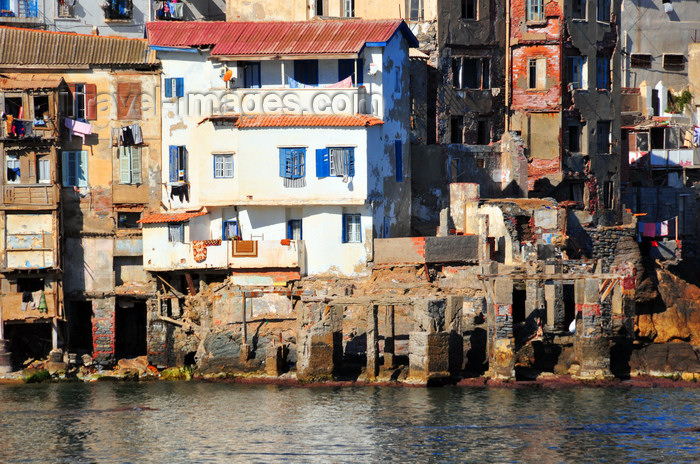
[[694, 78], [301, 10], [647, 29], [543, 114]]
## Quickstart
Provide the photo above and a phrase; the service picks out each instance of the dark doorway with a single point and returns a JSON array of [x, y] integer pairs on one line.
[[655, 105], [519, 296], [569, 304], [130, 329], [28, 341], [79, 316]]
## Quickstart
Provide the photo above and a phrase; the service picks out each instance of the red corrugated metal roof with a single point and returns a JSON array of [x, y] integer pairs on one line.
[[322, 37], [158, 218], [298, 120]]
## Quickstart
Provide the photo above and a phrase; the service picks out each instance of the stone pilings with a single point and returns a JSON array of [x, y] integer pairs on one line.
[[103, 338], [501, 344], [428, 355], [591, 346], [319, 340], [5, 357]]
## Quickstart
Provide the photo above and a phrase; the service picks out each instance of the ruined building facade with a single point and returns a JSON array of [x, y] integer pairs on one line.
[[564, 99]]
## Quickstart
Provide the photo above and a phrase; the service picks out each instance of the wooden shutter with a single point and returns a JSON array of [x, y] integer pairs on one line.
[[173, 163], [124, 166], [283, 162], [323, 165], [90, 102], [345, 228], [64, 169], [135, 165], [350, 160], [129, 100], [69, 101], [180, 87], [168, 87], [81, 171], [183, 154]]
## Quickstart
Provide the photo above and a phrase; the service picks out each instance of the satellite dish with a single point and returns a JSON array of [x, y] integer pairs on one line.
[[228, 75]]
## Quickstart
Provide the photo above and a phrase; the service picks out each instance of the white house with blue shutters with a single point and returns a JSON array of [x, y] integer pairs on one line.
[[293, 151]]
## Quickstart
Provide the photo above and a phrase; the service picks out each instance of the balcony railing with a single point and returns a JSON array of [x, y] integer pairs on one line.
[[15, 309], [23, 195], [242, 254], [28, 129], [22, 11], [666, 158]]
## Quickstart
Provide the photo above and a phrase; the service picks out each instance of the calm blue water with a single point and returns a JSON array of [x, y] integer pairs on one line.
[[202, 422]]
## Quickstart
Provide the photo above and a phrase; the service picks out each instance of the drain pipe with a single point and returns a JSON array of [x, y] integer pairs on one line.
[[509, 72]]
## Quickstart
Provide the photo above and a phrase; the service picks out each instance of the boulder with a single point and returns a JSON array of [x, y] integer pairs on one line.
[[139, 365]]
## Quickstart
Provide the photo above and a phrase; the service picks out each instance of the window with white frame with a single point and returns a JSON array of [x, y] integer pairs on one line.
[[13, 170], [537, 73], [352, 232], [415, 11], [470, 73], [75, 165], [129, 165], [223, 166], [176, 232], [43, 169], [535, 10], [335, 161]]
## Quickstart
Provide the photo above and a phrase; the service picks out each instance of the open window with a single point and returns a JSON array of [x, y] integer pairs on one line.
[[128, 220], [470, 73], [469, 9], [118, 10]]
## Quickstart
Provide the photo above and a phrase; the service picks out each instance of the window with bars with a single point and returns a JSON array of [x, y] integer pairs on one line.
[[674, 62], [640, 60], [223, 166], [352, 232]]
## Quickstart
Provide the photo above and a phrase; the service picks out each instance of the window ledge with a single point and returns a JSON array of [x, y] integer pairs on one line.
[[122, 21], [66, 18], [538, 23], [579, 20], [602, 22]]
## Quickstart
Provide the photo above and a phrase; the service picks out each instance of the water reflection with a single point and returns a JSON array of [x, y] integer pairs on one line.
[[199, 422]]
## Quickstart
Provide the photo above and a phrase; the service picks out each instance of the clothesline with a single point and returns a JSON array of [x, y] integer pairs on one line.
[[657, 229], [345, 83]]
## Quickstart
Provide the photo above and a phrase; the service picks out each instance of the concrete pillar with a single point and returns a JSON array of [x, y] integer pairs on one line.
[[554, 297], [428, 356], [372, 342], [157, 337], [319, 338], [454, 326], [245, 347], [274, 360], [591, 346], [484, 247], [501, 344], [389, 348]]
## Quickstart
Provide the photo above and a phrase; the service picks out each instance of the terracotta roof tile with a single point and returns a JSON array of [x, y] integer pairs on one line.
[[298, 120], [159, 218], [269, 38]]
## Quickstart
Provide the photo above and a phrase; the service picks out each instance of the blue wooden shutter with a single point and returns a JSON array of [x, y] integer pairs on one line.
[[173, 163], [350, 160], [183, 153], [283, 162], [81, 168], [65, 168], [290, 230], [168, 87], [345, 228], [398, 153], [323, 165], [180, 87]]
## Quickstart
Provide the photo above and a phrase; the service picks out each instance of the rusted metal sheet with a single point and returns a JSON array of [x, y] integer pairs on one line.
[[335, 37], [298, 120], [18, 81], [173, 217], [34, 47]]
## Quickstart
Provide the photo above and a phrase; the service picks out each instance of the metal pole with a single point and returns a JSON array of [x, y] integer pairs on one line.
[[245, 327]]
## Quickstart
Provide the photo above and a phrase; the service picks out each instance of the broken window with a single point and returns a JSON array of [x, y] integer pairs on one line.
[[608, 194], [674, 62], [603, 137], [575, 71], [117, 9], [604, 10], [128, 220], [41, 106], [130, 165], [13, 107], [30, 284], [483, 132], [603, 73], [671, 138], [578, 9], [176, 232], [642, 141], [469, 9], [574, 138], [535, 10], [640, 60], [13, 169], [470, 73], [416, 10], [457, 129], [65, 9], [576, 192], [319, 7], [178, 163]]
